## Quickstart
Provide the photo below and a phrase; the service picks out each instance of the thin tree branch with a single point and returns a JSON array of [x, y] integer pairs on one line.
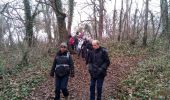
[[4, 8]]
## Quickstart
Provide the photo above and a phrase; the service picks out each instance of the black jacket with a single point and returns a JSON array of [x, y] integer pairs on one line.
[[55, 62], [98, 62]]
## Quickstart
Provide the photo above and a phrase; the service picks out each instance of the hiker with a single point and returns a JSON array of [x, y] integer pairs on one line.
[[89, 48], [71, 42], [62, 68], [86, 48], [98, 63], [80, 47], [76, 42]]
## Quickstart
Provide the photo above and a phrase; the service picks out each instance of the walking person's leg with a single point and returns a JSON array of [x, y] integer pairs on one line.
[[99, 88], [57, 88], [92, 89], [79, 51], [64, 84]]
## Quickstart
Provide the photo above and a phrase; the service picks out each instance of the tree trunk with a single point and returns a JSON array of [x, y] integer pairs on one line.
[[95, 19], [133, 37], [28, 23], [152, 22], [11, 40], [101, 15], [169, 23], [127, 20], [146, 23], [29, 37], [114, 20], [70, 17], [57, 6], [164, 16], [47, 19], [2, 31], [120, 22]]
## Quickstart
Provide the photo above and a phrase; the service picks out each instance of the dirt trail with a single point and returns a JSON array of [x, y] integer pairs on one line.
[[79, 85]]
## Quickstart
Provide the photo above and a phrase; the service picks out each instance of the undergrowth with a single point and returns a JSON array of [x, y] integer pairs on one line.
[[17, 81], [151, 77]]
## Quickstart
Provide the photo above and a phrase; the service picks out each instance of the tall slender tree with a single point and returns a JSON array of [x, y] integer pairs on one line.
[[2, 30], [101, 17], [146, 23], [133, 37], [57, 7], [169, 22], [29, 19], [47, 19], [120, 22], [95, 18], [70, 17], [114, 19], [164, 16]]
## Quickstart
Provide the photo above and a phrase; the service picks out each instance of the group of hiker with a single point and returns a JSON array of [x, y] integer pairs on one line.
[[80, 45], [96, 58]]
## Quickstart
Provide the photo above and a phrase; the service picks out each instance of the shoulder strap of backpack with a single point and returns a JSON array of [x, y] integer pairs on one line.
[[104, 50], [68, 55]]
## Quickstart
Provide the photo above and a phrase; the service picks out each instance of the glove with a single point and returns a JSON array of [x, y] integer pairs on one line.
[[52, 74]]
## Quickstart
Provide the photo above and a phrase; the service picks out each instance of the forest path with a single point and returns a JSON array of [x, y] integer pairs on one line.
[[79, 85]]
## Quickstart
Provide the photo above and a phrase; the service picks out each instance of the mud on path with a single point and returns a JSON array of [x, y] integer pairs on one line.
[[79, 85]]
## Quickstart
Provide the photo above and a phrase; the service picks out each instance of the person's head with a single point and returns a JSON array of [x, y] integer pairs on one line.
[[95, 44], [63, 47], [77, 33]]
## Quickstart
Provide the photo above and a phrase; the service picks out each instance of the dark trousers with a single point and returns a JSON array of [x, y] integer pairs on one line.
[[79, 51], [99, 83], [61, 85]]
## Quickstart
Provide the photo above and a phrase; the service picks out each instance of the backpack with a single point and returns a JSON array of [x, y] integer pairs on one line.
[[62, 69], [104, 50], [76, 40], [71, 41]]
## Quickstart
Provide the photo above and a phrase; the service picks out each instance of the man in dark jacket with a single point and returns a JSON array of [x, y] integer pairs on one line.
[[98, 62], [63, 66]]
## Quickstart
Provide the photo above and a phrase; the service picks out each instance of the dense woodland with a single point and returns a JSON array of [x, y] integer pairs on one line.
[[137, 38]]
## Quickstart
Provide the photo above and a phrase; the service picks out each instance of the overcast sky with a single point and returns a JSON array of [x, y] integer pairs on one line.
[[81, 8]]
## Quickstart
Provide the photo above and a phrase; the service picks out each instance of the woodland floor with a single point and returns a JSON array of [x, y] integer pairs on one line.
[[79, 85]]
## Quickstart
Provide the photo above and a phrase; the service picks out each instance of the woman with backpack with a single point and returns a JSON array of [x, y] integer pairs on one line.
[[62, 68]]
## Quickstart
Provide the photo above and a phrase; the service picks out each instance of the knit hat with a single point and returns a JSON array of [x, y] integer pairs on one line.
[[63, 44]]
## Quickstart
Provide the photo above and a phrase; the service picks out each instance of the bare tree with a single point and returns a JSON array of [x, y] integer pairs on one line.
[[4, 7], [47, 19], [114, 19], [60, 15], [133, 37], [125, 34], [164, 16], [95, 18], [70, 16], [29, 19], [146, 23], [169, 23], [11, 40], [120, 22], [2, 30], [101, 17]]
